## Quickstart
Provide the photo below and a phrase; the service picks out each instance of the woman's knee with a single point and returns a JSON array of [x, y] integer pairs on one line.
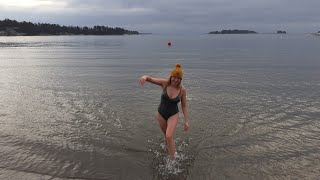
[[163, 127], [169, 136]]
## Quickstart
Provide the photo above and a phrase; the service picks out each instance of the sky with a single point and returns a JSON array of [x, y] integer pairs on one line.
[[171, 16]]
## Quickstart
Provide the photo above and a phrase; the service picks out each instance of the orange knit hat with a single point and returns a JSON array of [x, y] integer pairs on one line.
[[177, 71]]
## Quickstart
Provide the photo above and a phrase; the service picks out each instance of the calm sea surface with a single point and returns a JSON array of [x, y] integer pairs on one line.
[[71, 107]]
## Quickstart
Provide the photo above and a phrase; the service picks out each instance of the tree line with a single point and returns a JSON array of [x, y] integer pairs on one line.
[[28, 28], [235, 31]]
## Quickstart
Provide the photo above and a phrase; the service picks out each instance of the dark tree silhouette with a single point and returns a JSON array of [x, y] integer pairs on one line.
[[281, 32], [235, 31], [28, 28]]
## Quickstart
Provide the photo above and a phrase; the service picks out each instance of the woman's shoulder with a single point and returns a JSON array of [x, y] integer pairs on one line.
[[165, 84], [183, 89]]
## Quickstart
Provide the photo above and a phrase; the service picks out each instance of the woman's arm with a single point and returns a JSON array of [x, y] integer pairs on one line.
[[184, 108], [157, 81]]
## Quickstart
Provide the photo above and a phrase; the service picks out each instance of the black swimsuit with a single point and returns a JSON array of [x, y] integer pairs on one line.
[[168, 106]]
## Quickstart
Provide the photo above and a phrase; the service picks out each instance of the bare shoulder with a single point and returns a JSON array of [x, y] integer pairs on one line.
[[183, 89]]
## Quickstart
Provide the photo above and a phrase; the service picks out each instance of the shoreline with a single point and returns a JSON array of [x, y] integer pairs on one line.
[[14, 33]]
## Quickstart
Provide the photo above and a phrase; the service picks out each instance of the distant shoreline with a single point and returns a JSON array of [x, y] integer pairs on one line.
[[235, 31], [14, 33], [13, 28]]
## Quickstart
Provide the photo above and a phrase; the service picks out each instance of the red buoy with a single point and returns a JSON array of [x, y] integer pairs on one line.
[[169, 43]]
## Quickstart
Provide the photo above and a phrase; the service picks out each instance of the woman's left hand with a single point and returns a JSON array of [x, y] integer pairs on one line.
[[186, 126]]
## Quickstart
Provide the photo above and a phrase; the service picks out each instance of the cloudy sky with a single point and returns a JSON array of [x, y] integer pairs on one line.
[[171, 16]]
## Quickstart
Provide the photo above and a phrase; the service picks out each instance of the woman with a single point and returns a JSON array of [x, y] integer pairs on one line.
[[168, 113]]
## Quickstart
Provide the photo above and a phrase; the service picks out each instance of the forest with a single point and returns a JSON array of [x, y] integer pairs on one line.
[[12, 27]]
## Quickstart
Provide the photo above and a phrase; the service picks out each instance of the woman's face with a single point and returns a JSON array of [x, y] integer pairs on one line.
[[175, 80]]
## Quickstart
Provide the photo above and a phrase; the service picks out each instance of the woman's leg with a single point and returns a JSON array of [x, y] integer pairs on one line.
[[171, 127], [162, 123]]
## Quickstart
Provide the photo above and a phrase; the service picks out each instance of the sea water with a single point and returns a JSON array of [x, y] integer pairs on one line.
[[72, 107]]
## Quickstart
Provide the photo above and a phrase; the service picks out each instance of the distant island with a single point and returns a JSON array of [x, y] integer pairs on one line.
[[13, 28], [281, 32], [316, 34], [235, 31]]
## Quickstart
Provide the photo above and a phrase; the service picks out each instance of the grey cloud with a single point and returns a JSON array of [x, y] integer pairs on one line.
[[199, 16]]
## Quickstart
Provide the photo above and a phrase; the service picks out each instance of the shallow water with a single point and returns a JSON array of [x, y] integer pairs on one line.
[[71, 107]]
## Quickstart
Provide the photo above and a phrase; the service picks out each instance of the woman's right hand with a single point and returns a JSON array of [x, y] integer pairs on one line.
[[186, 126], [143, 80]]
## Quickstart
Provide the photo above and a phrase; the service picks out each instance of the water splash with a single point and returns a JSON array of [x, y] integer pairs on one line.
[[166, 168]]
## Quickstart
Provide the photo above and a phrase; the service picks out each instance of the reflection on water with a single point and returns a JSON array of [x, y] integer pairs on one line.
[[71, 107]]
